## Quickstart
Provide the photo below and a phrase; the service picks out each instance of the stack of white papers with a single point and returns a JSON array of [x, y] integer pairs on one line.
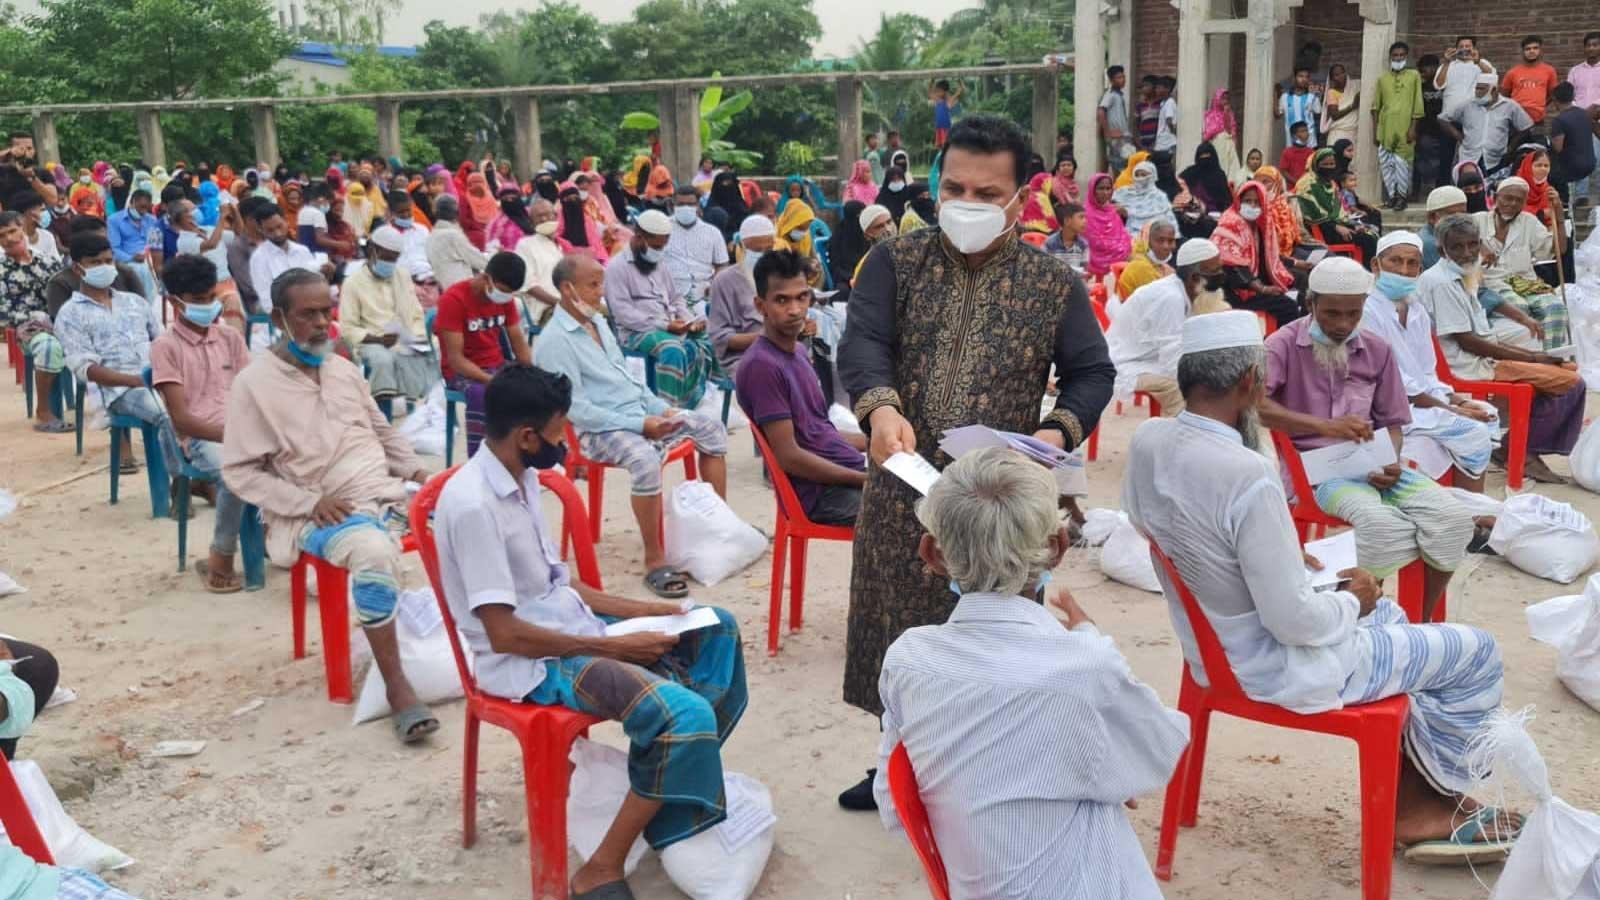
[[1336, 554], [1068, 468], [1348, 459]]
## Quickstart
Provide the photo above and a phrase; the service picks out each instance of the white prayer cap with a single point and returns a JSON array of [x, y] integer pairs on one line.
[[1221, 330], [756, 226], [654, 221], [1488, 78], [1398, 238], [1340, 275], [1197, 250], [1515, 181], [389, 238], [872, 214], [1445, 195]]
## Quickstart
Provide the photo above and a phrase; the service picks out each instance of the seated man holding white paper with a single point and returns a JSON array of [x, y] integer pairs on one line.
[[1328, 383], [537, 635]]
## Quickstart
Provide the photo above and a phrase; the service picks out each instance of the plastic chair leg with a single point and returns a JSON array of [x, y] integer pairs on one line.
[[1200, 730], [333, 604], [469, 780], [117, 435], [546, 778], [1094, 444], [26, 377], [155, 471], [1517, 454], [180, 486], [297, 605], [253, 548], [1190, 704], [596, 475], [797, 580], [449, 434], [780, 547], [1380, 779]]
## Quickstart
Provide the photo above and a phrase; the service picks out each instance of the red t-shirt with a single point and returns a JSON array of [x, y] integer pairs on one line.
[[478, 320], [1530, 87]]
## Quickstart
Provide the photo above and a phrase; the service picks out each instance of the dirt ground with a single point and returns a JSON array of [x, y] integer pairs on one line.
[[290, 801]]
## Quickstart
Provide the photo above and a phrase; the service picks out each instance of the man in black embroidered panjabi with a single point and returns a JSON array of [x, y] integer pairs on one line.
[[950, 326]]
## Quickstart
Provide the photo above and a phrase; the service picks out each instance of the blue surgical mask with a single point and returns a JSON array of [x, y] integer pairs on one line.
[[499, 296], [44, 219], [383, 268], [100, 276], [650, 255], [202, 314], [685, 215], [312, 356], [403, 223], [1395, 286], [1318, 335]]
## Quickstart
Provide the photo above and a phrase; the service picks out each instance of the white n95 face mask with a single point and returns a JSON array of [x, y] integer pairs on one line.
[[971, 227]]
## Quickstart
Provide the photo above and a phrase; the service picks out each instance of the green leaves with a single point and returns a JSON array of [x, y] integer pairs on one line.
[[640, 121]]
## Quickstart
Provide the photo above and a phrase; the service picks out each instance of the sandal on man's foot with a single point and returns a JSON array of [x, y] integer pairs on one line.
[[129, 465], [1467, 845], [54, 426], [611, 890], [414, 723], [232, 583], [666, 583]]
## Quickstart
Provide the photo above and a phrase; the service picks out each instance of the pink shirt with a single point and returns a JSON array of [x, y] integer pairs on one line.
[[1371, 389], [203, 363], [1586, 83]]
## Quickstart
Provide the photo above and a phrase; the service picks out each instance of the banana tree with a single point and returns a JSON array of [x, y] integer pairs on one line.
[[716, 117]]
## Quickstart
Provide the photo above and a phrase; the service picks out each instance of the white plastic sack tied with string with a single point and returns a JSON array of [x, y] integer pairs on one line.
[[1572, 626], [1545, 537], [1556, 855], [1583, 306]]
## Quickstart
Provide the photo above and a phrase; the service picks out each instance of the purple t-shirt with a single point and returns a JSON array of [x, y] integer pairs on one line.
[[773, 385]]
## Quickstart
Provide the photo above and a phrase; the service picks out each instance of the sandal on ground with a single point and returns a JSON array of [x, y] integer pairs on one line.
[[666, 583], [129, 465], [611, 890], [1465, 845], [233, 584], [54, 426], [414, 723]]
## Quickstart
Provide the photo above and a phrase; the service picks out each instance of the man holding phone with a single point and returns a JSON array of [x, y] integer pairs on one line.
[[1458, 78]]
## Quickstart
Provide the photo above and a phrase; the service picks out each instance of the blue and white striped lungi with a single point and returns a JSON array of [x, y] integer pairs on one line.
[[1451, 673]]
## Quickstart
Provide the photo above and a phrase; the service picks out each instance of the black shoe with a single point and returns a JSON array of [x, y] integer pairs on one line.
[[859, 798]]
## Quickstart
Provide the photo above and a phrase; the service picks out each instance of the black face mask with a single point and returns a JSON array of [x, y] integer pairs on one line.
[[1477, 202], [548, 456]]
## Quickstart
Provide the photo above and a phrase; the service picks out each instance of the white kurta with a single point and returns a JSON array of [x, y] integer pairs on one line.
[[1146, 336], [1527, 241]]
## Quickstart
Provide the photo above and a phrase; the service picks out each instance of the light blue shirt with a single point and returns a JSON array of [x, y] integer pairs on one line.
[[605, 395], [129, 234]]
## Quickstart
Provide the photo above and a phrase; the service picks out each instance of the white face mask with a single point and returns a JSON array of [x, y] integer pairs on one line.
[[971, 227], [751, 257], [685, 215], [548, 229], [1158, 260], [1485, 100], [1398, 65], [1250, 213]]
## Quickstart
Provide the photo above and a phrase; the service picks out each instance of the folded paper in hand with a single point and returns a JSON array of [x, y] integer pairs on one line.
[[699, 617], [1067, 468], [913, 470], [1336, 554], [1348, 459]]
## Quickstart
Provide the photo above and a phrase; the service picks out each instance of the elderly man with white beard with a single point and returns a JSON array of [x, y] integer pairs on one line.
[[1144, 337], [1200, 488], [1328, 383]]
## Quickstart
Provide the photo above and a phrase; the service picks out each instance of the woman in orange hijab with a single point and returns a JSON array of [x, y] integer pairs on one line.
[[660, 185], [225, 176], [479, 210]]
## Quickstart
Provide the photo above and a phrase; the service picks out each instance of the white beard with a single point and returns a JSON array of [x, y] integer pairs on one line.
[[1250, 429], [1335, 357]]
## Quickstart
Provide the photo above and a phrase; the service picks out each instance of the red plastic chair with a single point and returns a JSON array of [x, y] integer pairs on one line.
[[14, 353], [333, 607], [595, 473], [1309, 519], [1097, 293], [1350, 250], [1268, 324], [1375, 727], [546, 733], [914, 817], [793, 530], [1520, 399], [21, 830]]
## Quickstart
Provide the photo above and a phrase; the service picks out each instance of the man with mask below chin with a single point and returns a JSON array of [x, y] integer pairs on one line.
[[193, 365], [381, 319], [652, 316], [731, 318], [1447, 430], [954, 325], [1448, 291], [1487, 127], [305, 443], [1144, 337]]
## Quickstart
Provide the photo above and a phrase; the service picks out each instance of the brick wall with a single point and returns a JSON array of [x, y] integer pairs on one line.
[[1500, 27], [1336, 25], [1155, 42]]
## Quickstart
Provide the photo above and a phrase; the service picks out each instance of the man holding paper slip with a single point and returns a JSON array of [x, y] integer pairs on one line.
[[950, 326], [537, 635], [1337, 392], [382, 320]]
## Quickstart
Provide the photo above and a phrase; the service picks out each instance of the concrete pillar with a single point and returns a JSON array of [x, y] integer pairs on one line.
[[1088, 84], [1377, 33], [1046, 118], [46, 146], [528, 153], [849, 111], [1119, 48], [1258, 123], [1192, 95], [1218, 52], [680, 131], [152, 145], [388, 128], [264, 127]]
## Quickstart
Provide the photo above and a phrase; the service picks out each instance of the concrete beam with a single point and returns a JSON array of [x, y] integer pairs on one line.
[[264, 128], [46, 146], [1088, 84], [1258, 122], [679, 109], [849, 111], [528, 154], [389, 128], [1192, 95], [152, 144], [1046, 117]]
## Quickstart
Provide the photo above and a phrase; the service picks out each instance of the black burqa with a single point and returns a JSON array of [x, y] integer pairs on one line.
[[1206, 180], [726, 196]]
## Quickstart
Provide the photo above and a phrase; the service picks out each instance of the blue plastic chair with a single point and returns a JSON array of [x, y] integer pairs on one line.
[[252, 536], [155, 465], [820, 202], [820, 236], [451, 398], [254, 319], [61, 391]]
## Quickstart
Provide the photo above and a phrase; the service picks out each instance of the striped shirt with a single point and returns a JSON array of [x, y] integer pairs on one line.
[[693, 255], [1305, 108], [1026, 739]]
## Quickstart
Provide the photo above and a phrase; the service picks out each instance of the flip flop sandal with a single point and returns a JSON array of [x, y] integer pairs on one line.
[[414, 723], [232, 586], [660, 581], [54, 426], [1465, 845], [611, 890], [130, 466]]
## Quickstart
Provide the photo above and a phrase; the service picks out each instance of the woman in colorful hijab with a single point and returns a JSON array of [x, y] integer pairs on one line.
[[1253, 260], [102, 172], [87, 200], [794, 188], [794, 227], [578, 233], [292, 201], [1535, 170], [860, 187], [460, 179], [1038, 212], [1125, 179], [478, 209], [1221, 130], [210, 204], [225, 176], [1143, 200], [1064, 182], [1109, 241], [358, 209], [660, 186], [1284, 212], [160, 178], [335, 181], [511, 224]]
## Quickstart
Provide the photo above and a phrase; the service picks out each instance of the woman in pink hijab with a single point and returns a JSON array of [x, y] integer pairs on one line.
[[1107, 234], [1221, 130], [860, 187]]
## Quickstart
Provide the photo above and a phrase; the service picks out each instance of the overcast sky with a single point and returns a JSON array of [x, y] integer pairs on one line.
[[844, 22]]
